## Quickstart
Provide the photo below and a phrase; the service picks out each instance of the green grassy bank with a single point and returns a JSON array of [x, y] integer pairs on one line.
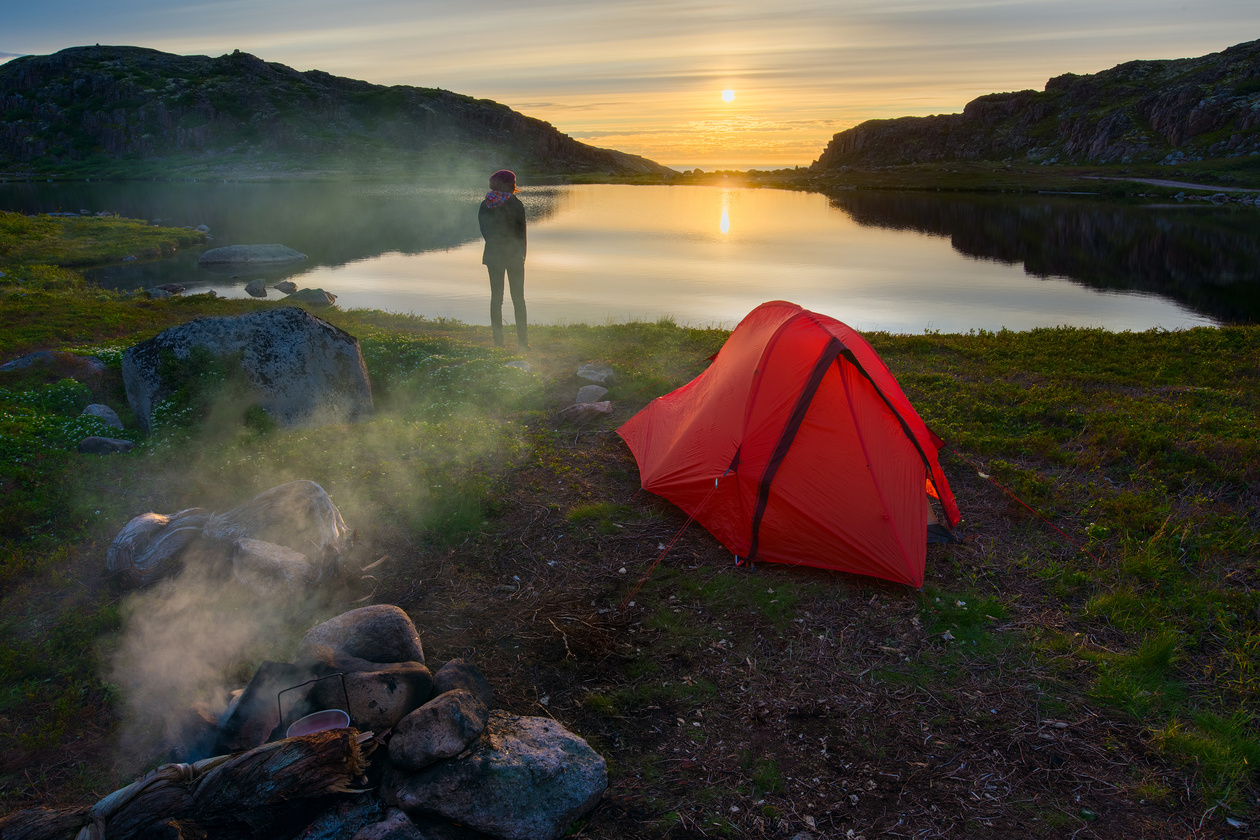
[[1101, 620]]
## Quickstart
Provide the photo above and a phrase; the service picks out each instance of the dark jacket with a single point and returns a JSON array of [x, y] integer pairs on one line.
[[503, 228]]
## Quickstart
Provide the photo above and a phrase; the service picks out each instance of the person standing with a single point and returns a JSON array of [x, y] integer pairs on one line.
[[502, 220]]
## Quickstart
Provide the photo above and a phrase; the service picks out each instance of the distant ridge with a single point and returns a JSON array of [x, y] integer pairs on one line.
[[136, 109], [1138, 112]]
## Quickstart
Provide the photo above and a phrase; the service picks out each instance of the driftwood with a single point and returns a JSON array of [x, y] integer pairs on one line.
[[151, 543], [254, 788], [298, 515]]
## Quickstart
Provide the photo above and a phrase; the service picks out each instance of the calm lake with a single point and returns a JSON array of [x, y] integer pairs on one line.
[[900, 262]]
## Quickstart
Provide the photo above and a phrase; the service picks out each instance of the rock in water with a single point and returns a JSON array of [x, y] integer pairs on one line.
[[252, 254], [313, 297], [304, 371], [526, 778]]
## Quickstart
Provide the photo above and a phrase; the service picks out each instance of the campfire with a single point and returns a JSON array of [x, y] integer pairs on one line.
[[354, 736]]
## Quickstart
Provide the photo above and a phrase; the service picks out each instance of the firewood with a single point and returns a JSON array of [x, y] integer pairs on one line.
[[255, 788]]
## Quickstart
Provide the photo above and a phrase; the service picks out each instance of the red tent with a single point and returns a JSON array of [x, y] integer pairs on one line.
[[798, 446]]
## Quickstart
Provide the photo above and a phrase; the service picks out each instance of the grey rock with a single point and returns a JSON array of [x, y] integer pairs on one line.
[[313, 297], [202, 228], [303, 371], [256, 288], [381, 697], [94, 445], [157, 294], [85, 369], [173, 288], [584, 412], [441, 728], [396, 826], [270, 570], [344, 819], [252, 254], [380, 633], [105, 413], [597, 373], [525, 778], [590, 394], [288, 287], [519, 364], [460, 674]]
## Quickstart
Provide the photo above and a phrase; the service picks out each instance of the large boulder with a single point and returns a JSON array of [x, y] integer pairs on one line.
[[303, 370], [253, 255], [525, 778]]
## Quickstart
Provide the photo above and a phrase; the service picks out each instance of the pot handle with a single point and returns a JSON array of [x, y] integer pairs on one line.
[[344, 693]]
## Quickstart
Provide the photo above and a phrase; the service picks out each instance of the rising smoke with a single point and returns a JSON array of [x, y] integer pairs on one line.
[[193, 638]]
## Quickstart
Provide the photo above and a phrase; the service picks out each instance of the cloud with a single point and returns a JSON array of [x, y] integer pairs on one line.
[[624, 67]]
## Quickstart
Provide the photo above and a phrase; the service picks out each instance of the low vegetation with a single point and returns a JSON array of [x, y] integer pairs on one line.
[[1083, 663]]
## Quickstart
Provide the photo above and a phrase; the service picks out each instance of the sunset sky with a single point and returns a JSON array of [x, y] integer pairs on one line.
[[648, 76]]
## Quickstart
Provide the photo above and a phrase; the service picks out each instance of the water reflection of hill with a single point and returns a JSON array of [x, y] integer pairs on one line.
[[1205, 258], [332, 223]]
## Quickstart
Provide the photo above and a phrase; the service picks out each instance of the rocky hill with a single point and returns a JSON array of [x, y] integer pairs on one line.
[[121, 107], [1138, 112]]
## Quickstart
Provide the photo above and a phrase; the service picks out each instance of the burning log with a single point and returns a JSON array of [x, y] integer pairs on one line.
[[256, 788]]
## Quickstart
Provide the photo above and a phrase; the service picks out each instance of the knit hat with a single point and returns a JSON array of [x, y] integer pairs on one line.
[[504, 180]]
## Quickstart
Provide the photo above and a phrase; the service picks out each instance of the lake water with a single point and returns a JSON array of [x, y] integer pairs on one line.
[[900, 262]]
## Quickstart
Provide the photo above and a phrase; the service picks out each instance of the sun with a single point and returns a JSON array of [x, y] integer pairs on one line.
[[728, 96]]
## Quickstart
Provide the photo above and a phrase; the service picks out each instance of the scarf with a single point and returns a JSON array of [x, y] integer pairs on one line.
[[495, 198]]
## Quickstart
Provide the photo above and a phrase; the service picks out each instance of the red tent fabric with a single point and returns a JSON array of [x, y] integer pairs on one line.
[[797, 446]]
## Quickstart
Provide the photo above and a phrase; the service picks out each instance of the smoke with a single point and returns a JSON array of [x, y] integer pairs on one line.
[[438, 440], [185, 643]]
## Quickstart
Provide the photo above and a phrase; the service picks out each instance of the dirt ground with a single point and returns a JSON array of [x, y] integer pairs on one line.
[[848, 720], [848, 714]]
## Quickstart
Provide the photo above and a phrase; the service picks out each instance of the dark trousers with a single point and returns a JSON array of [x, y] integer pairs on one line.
[[516, 282]]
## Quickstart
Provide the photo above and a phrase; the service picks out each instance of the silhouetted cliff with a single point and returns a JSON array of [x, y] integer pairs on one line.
[[1141, 111], [1206, 258], [237, 112]]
